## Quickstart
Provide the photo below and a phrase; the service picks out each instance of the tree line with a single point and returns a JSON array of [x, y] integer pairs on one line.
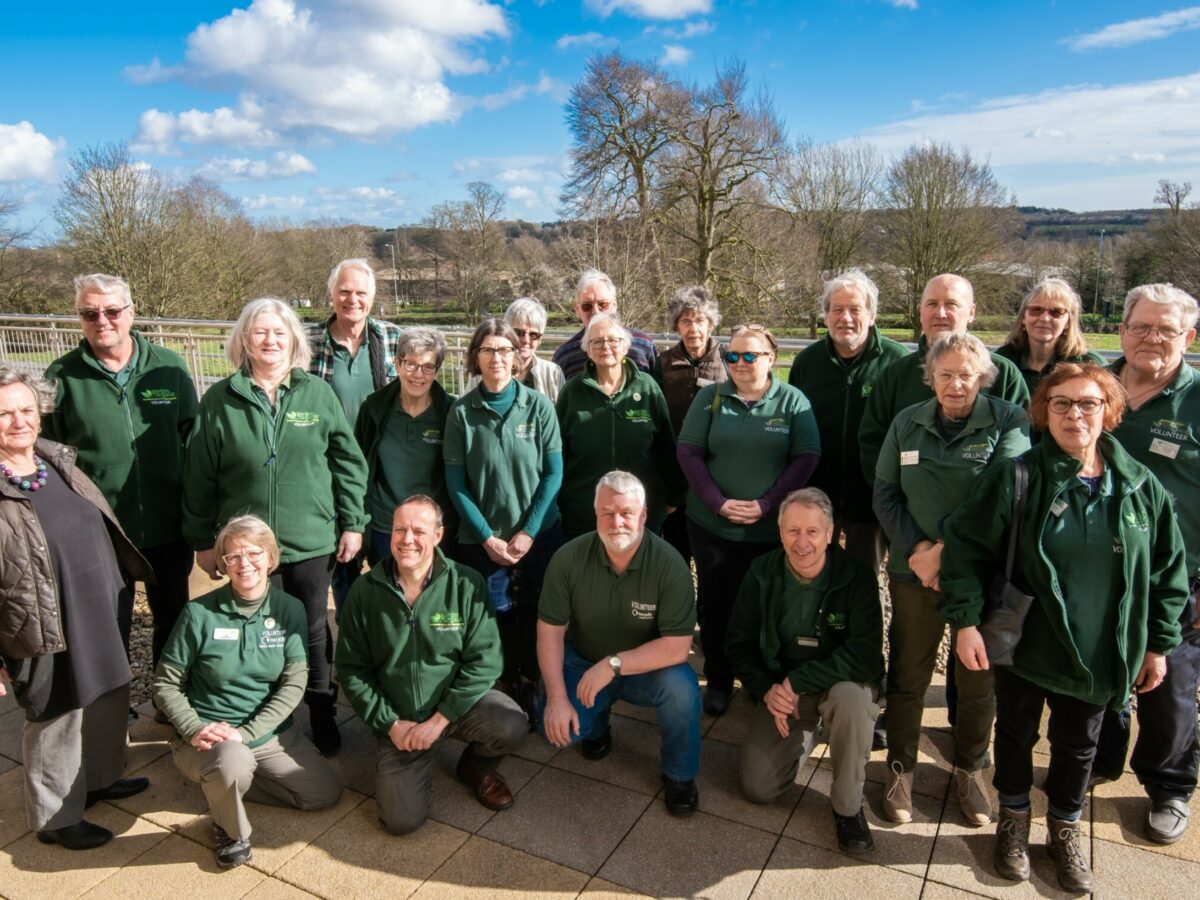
[[669, 183]]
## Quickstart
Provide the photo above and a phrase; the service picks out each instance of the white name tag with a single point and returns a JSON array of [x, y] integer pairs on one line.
[[1058, 507], [1164, 448], [226, 634], [910, 457]]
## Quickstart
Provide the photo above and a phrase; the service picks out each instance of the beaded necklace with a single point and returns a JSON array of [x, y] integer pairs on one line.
[[25, 483]]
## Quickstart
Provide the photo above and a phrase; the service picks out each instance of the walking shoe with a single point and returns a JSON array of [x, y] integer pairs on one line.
[[1011, 855], [1168, 820], [1065, 843], [80, 836], [597, 748], [326, 737], [973, 799], [681, 797], [853, 833], [230, 851], [491, 790], [118, 790], [897, 796], [716, 701]]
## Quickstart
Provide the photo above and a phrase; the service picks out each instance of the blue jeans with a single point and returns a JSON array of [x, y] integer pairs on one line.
[[673, 692]]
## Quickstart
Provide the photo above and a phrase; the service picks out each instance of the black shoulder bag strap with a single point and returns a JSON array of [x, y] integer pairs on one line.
[[1020, 496]]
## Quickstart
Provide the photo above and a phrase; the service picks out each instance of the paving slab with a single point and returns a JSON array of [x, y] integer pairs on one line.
[[13, 823], [635, 762], [8, 702], [280, 832], [702, 855], [171, 801], [1123, 871], [29, 868], [537, 749], [456, 804], [356, 760], [731, 727], [568, 819], [359, 859], [485, 869], [796, 867], [274, 889], [599, 889], [721, 789], [177, 867], [11, 726]]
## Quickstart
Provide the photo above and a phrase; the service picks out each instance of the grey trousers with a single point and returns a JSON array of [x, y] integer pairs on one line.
[[770, 762], [286, 770], [494, 727], [67, 756]]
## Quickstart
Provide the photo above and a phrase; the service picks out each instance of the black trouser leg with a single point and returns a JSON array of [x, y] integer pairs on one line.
[[172, 564], [308, 581]]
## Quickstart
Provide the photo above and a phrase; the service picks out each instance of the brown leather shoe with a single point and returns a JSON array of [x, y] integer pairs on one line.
[[491, 790]]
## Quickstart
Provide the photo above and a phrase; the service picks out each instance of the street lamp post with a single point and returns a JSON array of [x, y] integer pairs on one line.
[[395, 294], [1099, 261]]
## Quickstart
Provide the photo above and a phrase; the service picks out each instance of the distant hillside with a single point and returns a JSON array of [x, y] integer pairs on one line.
[[1064, 225]]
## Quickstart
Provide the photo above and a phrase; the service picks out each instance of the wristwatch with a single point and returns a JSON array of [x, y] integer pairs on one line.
[[614, 662]]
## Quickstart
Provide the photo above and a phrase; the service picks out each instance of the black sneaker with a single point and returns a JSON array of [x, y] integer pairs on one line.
[[853, 833], [597, 748], [231, 852], [681, 797], [326, 737], [716, 701]]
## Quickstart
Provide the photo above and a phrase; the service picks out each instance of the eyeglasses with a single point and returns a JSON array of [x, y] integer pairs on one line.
[[601, 343], [748, 356], [945, 376], [251, 555], [413, 368], [1054, 312], [112, 313], [1089, 406], [601, 306], [691, 323], [1142, 330], [496, 351], [524, 333]]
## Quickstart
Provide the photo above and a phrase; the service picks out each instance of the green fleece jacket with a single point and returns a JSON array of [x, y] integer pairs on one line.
[[630, 430], [296, 466], [849, 627], [901, 384], [838, 390], [1149, 597], [396, 661], [130, 439]]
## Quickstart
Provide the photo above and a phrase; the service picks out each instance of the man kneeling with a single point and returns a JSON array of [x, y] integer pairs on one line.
[[615, 622], [806, 640], [417, 654]]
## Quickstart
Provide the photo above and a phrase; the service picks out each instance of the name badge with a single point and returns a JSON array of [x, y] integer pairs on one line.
[[1058, 507], [804, 641], [910, 457], [1164, 448], [226, 634]]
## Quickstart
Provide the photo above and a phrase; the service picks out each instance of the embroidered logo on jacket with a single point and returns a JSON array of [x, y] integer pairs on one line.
[[446, 621], [159, 396], [302, 419]]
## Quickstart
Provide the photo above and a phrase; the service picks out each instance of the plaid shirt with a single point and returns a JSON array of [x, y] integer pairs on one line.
[[573, 359], [382, 338]]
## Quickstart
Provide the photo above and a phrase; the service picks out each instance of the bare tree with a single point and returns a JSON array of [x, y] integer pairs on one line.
[[467, 236], [18, 287], [944, 212], [1172, 195]]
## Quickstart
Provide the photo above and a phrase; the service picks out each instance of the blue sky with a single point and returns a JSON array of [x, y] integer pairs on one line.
[[375, 110]]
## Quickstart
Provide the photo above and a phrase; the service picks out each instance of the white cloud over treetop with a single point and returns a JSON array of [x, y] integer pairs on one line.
[[27, 154], [362, 68]]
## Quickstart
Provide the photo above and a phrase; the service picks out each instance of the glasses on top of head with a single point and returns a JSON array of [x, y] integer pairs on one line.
[[1141, 330], [1089, 406], [112, 313], [250, 554], [1054, 312], [524, 333], [412, 368]]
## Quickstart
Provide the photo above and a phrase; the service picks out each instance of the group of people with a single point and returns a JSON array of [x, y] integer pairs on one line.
[[520, 554]]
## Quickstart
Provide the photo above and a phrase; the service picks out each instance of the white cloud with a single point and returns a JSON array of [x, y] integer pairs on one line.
[[160, 132], [1137, 31], [513, 175], [152, 74], [689, 30], [487, 168], [1071, 125], [281, 165], [903, 4], [651, 9], [362, 68], [675, 55], [373, 194], [587, 39], [263, 201], [26, 153], [544, 85], [523, 195]]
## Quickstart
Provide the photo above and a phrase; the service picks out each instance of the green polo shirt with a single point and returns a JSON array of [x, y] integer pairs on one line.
[[234, 661], [1164, 436], [936, 474], [799, 624], [1033, 377], [606, 613], [504, 457], [630, 430], [747, 448], [352, 380], [1082, 536], [409, 462]]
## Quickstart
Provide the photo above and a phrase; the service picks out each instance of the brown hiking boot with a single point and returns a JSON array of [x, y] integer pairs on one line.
[[1011, 855], [1065, 843]]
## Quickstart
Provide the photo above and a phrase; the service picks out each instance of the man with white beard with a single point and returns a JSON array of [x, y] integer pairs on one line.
[[615, 622]]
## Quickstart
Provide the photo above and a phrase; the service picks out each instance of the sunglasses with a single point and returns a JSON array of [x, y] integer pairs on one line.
[[748, 356], [112, 313], [587, 306], [531, 334], [1036, 312]]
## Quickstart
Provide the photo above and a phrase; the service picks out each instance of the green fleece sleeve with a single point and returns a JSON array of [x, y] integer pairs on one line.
[[480, 660], [282, 703], [1168, 576], [355, 668], [876, 419], [201, 467], [189, 406], [349, 470], [860, 657], [1010, 383], [663, 450], [976, 544], [743, 639]]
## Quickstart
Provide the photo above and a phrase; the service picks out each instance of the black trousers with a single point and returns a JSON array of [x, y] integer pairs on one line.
[[172, 564], [1073, 731], [308, 581], [720, 567], [1166, 757]]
